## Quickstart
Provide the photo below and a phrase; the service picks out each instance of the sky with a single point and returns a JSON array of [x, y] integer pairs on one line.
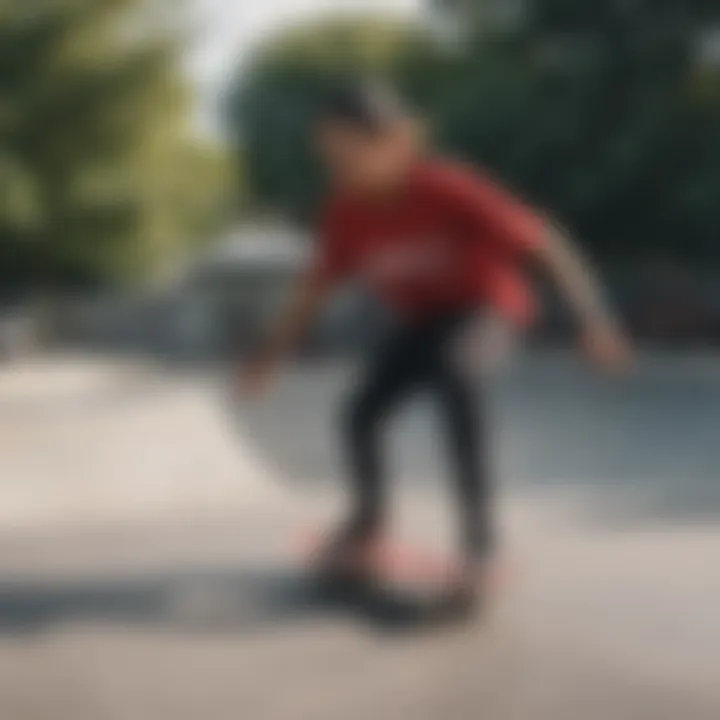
[[225, 32]]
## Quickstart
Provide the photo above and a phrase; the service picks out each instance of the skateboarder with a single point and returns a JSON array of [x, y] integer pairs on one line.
[[440, 244]]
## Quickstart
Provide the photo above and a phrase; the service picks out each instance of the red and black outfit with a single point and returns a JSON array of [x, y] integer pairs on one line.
[[445, 244]]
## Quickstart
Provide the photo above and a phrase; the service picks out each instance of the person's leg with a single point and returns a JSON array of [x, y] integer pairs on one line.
[[461, 405], [468, 445], [394, 372]]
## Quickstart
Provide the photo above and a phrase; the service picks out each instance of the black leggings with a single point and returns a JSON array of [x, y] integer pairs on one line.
[[416, 357]]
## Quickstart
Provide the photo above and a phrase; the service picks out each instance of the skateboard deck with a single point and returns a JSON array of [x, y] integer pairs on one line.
[[394, 605], [399, 584], [392, 560]]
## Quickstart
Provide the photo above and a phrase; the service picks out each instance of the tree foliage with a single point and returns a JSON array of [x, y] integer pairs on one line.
[[602, 113], [100, 176]]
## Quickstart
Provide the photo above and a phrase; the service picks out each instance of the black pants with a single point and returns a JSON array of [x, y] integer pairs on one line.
[[413, 358]]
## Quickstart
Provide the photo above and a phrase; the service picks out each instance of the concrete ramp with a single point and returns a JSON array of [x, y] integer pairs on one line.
[[88, 441], [145, 573]]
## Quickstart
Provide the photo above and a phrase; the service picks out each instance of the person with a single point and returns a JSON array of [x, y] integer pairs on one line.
[[439, 244]]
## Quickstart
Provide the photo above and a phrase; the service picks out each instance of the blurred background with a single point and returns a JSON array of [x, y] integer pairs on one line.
[[153, 152], [157, 198]]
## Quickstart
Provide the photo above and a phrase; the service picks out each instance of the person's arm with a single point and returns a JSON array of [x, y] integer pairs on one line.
[[329, 268], [306, 300], [603, 339], [497, 216]]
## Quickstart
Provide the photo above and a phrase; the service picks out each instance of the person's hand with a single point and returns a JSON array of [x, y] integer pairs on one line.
[[255, 375], [607, 347]]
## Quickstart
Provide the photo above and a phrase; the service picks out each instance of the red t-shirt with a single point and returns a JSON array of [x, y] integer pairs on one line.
[[448, 238]]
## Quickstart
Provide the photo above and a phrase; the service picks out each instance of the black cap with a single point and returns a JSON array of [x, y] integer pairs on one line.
[[370, 105]]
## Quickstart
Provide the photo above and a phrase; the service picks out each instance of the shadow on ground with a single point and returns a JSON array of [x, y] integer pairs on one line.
[[241, 600]]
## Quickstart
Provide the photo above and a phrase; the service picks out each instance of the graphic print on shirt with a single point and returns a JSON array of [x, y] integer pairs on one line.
[[451, 238], [400, 262]]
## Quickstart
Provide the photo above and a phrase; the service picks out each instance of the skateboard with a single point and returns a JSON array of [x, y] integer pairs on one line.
[[402, 585]]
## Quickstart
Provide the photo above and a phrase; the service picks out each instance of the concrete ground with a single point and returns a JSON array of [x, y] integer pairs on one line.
[[149, 567]]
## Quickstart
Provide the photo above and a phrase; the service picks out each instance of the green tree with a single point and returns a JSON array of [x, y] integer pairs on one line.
[[101, 177], [602, 113]]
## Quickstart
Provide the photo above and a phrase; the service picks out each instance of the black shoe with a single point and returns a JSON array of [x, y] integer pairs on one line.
[[341, 555]]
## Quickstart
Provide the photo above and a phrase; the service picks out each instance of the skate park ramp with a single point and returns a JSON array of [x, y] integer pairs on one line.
[[89, 440], [145, 570]]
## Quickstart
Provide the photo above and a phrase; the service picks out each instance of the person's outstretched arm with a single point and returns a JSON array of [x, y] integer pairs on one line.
[[284, 335], [496, 215], [602, 337], [329, 268]]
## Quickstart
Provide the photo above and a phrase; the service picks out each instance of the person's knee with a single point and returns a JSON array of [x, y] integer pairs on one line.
[[357, 419], [456, 391], [460, 405]]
